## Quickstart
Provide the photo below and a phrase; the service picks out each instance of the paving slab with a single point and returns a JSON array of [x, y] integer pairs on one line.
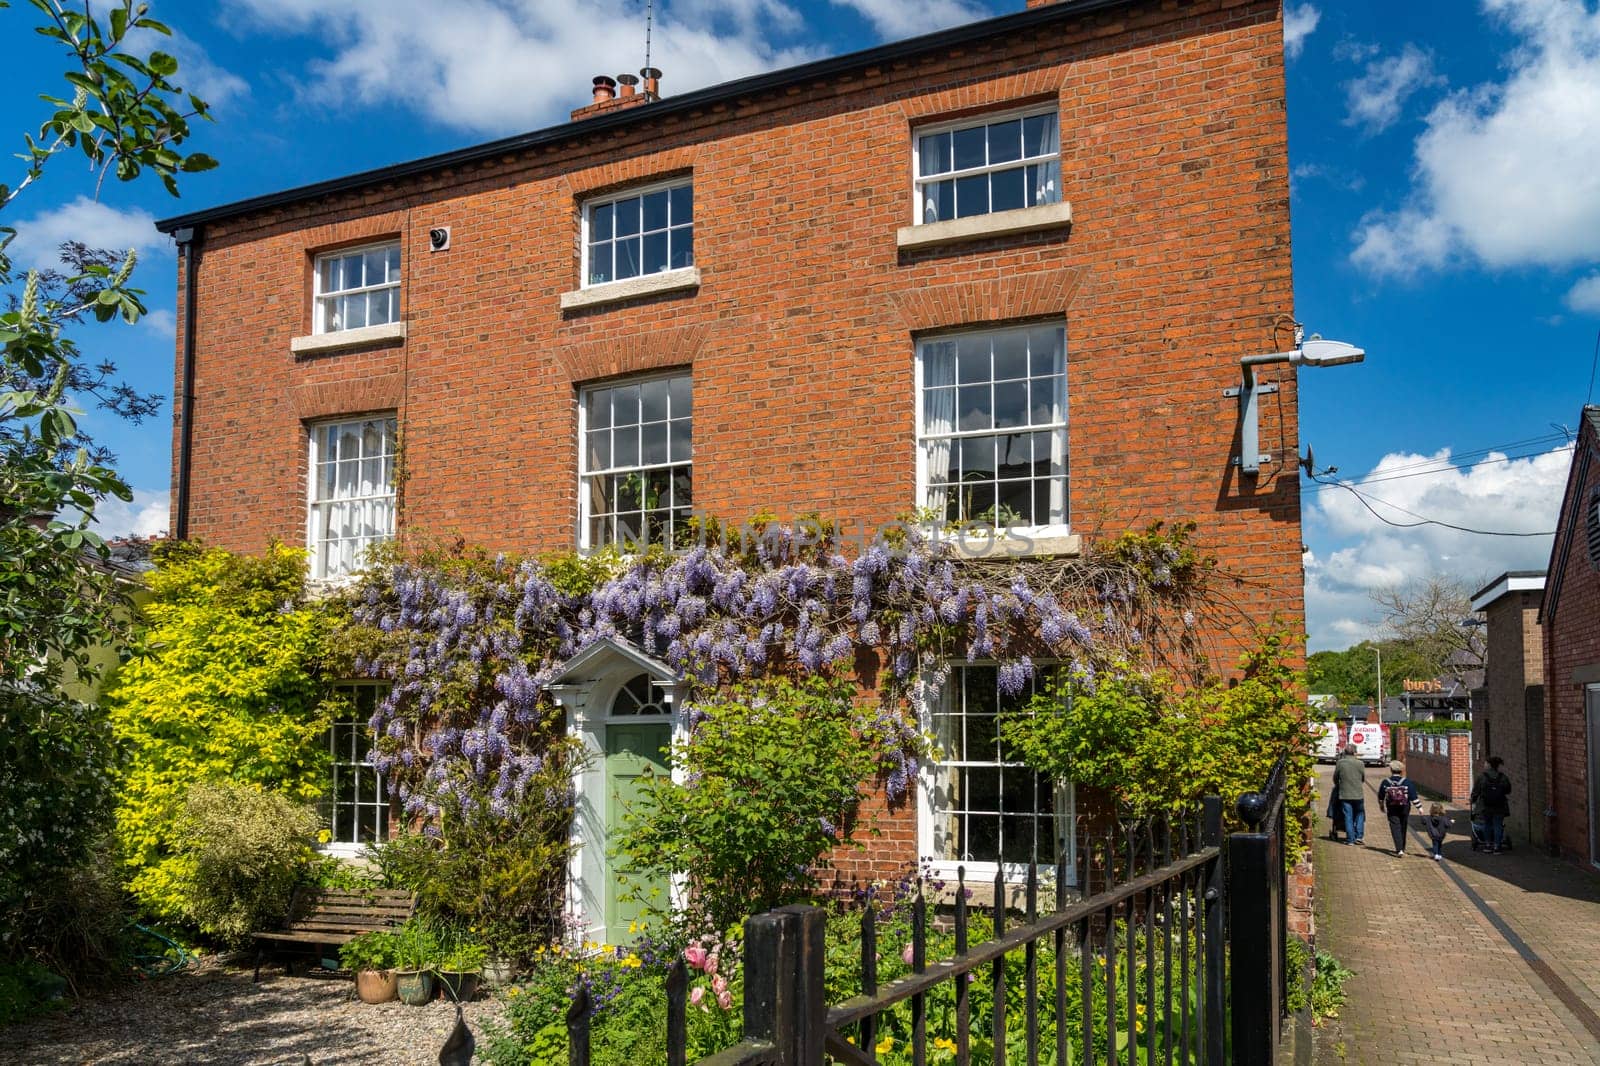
[[1500, 966]]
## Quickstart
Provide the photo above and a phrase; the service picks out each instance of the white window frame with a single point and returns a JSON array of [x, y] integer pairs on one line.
[[918, 179], [1059, 427], [981, 872], [633, 192], [584, 473], [319, 318], [349, 848], [315, 507]]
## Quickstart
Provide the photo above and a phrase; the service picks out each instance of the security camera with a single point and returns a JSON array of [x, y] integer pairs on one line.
[[438, 238]]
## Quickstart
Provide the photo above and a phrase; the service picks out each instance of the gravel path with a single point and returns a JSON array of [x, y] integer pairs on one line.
[[215, 1016]]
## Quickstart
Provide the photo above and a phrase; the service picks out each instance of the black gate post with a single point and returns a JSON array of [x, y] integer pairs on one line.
[[1255, 878], [785, 1003], [1216, 938]]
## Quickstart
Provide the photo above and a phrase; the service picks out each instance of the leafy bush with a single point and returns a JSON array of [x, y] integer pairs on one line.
[[227, 692], [239, 852], [1155, 747], [61, 904], [772, 773], [1437, 726], [502, 876]]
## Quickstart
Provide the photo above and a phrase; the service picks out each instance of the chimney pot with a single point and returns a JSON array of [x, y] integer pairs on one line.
[[605, 88], [628, 81], [652, 82]]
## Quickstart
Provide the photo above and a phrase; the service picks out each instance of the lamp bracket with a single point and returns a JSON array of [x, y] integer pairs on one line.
[[1264, 389]]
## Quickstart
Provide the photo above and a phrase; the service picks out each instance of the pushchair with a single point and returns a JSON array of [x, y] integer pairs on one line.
[[1480, 835]]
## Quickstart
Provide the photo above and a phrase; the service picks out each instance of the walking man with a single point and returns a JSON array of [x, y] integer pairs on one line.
[[1492, 791], [1350, 785]]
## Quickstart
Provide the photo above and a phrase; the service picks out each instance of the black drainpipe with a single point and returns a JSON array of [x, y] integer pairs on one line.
[[188, 240]]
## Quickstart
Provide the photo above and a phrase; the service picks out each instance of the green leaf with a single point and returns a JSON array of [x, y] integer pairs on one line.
[[198, 161], [162, 63]]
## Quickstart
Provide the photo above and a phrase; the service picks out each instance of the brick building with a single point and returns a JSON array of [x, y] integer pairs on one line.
[[1571, 621], [1508, 712], [946, 272]]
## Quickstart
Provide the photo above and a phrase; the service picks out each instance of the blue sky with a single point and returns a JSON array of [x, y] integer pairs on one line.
[[1446, 206]]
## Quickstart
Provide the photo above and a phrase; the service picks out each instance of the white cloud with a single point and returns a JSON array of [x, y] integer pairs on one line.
[[144, 516], [493, 66], [1584, 297], [1299, 22], [894, 19], [1510, 495], [94, 223], [162, 323], [1507, 173], [1373, 101]]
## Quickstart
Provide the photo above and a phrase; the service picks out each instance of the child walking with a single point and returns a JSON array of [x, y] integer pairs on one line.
[[1437, 825]]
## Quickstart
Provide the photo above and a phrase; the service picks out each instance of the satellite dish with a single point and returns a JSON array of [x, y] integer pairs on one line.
[[1309, 463]]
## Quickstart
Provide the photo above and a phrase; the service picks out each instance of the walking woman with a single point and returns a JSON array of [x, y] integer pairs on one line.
[[1398, 796]]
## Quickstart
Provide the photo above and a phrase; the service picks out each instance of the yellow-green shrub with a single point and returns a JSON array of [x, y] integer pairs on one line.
[[226, 690]]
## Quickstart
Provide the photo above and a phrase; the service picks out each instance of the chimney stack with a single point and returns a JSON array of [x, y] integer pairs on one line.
[[607, 97], [605, 88], [652, 82]]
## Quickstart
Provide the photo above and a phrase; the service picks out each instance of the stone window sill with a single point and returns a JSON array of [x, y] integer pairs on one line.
[[347, 338], [631, 288], [998, 224], [1016, 545]]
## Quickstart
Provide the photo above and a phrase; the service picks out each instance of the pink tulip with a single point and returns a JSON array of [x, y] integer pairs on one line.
[[719, 985], [725, 999], [695, 956], [711, 965], [907, 953], [696, 994]]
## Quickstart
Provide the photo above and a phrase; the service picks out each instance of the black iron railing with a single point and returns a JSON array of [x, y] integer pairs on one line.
[[1174, 935]]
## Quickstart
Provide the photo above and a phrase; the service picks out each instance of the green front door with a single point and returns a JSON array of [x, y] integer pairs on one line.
[[633, 749]]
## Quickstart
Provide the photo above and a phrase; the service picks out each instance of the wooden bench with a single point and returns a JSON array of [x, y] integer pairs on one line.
[[327, 916]]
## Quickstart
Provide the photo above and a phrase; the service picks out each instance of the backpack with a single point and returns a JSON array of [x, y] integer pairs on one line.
[[1494, 791], [1396, 796]]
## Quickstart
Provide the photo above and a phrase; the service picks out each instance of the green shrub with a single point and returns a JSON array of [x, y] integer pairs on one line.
[[772, 774], [227, 692], [239, 853], [55, 814]]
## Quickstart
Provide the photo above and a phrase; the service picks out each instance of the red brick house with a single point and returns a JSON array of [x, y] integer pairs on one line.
[[1005, 271], [1570, 617]]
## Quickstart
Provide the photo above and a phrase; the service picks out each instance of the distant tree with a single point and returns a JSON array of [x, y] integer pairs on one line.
[[1352, 674], [1425, 618]]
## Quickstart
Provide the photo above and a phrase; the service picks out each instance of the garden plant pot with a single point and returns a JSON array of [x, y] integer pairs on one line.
[[415, 986], [498, 971], [459, 986], [376, 986]]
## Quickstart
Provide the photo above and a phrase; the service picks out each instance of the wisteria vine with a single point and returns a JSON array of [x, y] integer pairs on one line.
[[471, 644]]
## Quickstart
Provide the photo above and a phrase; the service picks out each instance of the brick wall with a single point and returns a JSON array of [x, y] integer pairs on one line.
[[1514, 665], [801, 335], [1440, 764], [1571, 654]]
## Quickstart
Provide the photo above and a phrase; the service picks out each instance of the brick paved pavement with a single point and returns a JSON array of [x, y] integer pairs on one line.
[[1435, 980]]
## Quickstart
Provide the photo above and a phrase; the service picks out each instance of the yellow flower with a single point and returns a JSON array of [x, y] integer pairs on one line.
[[1138, 1009], [632, 962], [323, 836], [589, 945], [513, 991], [1138, 1026], [633, 927], [885, 1045], [944, 1043]]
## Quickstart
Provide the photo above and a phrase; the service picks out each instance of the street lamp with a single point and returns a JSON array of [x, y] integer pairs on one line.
[[1313, 352]]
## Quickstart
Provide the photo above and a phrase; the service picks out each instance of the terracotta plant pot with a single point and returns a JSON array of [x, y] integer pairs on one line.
[[415, 986], [459, 986], [376, 986]]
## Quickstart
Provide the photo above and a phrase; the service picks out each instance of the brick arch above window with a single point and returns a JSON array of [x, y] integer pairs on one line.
[[654, 350], [618, 174], [972, 303], [326, 399]]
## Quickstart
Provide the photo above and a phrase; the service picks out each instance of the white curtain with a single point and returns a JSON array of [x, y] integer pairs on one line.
[[1058, 439], [938, 419]]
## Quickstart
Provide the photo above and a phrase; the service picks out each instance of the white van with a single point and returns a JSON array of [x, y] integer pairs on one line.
[[1324, 740], [1371, 741]]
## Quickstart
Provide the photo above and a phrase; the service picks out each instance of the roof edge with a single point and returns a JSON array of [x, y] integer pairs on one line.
[[700, 98], [1508, 582]]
